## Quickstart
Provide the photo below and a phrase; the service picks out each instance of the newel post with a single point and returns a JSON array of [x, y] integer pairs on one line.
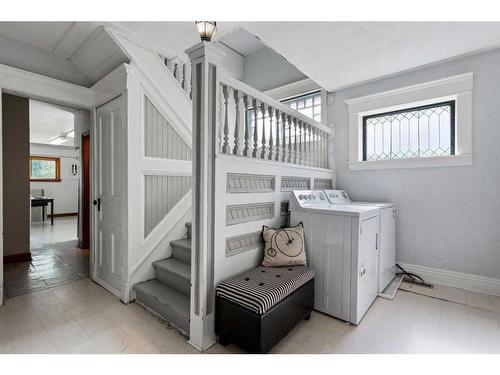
[[204, 58]]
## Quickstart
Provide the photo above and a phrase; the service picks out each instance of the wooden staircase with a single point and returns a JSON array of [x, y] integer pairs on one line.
[[168, 294]]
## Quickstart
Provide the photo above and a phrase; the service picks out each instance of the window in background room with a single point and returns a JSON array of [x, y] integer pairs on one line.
[[416, 132], [308, 104], [45, 169]]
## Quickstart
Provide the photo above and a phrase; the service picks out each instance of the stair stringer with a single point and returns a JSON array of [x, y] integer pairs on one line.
[[156, 245], [150, 78]]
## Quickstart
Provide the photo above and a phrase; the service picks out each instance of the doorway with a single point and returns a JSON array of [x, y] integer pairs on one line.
[[50, 254]]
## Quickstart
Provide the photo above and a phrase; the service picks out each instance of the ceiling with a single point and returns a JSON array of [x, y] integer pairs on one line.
[[48, 121], [85, 46], [334, 54], [340, 54], [241, 41]]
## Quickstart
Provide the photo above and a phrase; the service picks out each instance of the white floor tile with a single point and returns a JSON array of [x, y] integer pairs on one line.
[[82, 317]]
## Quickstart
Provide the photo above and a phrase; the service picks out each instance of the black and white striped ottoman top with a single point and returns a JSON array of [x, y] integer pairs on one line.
[[261, 288]]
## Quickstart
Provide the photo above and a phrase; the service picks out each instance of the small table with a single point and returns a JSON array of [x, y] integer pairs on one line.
[[43, 202]]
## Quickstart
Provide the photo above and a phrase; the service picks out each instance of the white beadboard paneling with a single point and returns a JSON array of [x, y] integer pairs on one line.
[[161, 139], [161, 194]]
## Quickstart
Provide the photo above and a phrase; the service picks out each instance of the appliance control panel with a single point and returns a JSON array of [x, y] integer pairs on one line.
[[337, 196], [307, 198]]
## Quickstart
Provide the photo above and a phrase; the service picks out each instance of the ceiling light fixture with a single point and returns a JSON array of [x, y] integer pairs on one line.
[[206, 29]]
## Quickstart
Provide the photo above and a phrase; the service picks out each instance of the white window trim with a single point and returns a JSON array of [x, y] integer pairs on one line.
[[458, 88]]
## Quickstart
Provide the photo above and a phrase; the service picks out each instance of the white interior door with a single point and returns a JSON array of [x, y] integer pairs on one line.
[[108, 195]]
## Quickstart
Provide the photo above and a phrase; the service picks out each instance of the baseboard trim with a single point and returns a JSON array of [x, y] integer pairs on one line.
[[15, 258], [64, 214], [467, 281]]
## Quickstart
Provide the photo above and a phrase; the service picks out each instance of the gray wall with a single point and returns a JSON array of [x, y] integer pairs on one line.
[[16, 187], [448, 218], [265, 69]]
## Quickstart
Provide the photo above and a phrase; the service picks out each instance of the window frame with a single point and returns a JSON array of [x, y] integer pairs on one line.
[[312, 94], [458, 88], [47, 158], [451, 103]]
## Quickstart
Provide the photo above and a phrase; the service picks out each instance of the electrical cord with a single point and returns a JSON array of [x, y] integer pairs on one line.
[[414, 278]]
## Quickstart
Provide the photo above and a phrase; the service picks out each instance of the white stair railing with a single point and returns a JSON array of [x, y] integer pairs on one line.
[[249, 152], [253, 125], [181, 70]]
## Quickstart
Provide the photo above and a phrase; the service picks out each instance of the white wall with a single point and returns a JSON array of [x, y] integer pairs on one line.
[[65, 193], [265, 69], [448, 218], [233, 62]]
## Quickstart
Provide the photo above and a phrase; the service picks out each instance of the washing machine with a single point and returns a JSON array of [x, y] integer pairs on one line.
[[387, 236], [341, 246]]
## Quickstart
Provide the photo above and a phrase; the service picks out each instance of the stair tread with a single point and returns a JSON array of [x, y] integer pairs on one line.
[[176, 266], [184, 243], [166, 295]]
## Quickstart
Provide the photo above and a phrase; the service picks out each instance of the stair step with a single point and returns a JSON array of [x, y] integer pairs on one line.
[[188, 226], [181, 250], [168, 303], [174, 273]]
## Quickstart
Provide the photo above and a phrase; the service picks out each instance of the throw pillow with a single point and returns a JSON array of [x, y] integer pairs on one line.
[[284, 247]]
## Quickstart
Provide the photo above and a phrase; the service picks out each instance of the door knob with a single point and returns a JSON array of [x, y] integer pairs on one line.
[[97, 203]]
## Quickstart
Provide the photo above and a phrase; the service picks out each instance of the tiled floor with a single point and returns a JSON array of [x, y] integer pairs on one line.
[[63, 230], [82, 317], [55, 260]]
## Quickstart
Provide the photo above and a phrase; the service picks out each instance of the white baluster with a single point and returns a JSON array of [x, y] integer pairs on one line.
[[301, 150], [246, 149], [325, 150], [188, 78], [221, 119], [315, 147], [263, 153], [255, 103], [295, 146], [290, 145], [318, 147], [277, 155], [270, 111], [238, 139], [306, 150], [309, 157], [183, 84], [225, 144], [284, 146]]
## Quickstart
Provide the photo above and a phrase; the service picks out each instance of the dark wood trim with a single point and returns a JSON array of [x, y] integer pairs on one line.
[[58, 169], [45, 180], [64, 214], [85, 214], [15, 258]]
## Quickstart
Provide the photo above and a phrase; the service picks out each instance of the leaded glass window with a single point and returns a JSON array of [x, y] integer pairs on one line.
[[416, 132]]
